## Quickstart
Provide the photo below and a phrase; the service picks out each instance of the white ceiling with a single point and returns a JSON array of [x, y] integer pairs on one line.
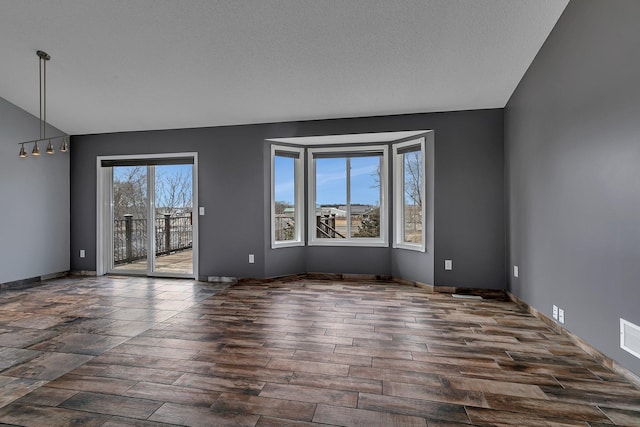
[[120, 65]]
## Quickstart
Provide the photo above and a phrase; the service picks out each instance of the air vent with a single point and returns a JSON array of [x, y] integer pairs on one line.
[[630, 337], [465, 296]]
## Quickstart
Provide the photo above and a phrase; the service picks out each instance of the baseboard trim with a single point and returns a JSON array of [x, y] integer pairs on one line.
[[592, 351], [319, 276], [426, 287], [486, 293], [32, 282], [51, 276], [222, 279], [347, 276], [341, 277], [88, 273]]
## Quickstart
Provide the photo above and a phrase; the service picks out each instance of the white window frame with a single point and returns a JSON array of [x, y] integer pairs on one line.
[[398, 189], [383, 240], [298, 196]]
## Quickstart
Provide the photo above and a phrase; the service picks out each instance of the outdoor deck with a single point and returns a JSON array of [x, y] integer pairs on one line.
[[180, 262]]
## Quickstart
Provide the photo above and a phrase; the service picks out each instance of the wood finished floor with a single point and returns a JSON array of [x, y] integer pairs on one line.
[[116, 351]]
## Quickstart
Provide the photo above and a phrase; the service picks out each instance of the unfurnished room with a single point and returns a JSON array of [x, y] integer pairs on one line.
[[320, 213]]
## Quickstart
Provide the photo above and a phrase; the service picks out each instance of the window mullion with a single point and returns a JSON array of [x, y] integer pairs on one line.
[[348, 214], [403, 185]]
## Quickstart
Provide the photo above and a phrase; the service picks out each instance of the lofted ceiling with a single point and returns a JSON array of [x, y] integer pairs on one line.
[[122, 65]]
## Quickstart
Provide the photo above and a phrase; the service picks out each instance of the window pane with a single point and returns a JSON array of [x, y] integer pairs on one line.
[[331, 198], [130, 212], [365, 196], [284, 198], [412, 205], [346, 196]]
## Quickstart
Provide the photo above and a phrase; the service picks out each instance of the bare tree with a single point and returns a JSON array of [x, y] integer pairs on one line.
[[413, 178], [130, 192], [413, 197], [173, 192], [280, 206]]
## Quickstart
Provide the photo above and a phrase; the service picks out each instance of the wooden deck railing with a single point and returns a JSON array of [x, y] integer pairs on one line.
[[326, 227], [172, 234]]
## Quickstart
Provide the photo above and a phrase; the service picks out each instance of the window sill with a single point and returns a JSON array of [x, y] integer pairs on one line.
[[350, 243], [286, 244], [410, 247]]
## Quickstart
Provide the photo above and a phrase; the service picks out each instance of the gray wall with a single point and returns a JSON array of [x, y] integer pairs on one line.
[[230, 194], [572, 142], [34, 223], [234, 188]]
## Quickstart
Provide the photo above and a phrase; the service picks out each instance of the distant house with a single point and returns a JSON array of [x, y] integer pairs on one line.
[[358, 209], [331, 210]]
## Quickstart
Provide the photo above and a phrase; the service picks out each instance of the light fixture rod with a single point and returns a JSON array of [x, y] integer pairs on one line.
[[40, 94], [43, 57], [50, 138], [44, 97]]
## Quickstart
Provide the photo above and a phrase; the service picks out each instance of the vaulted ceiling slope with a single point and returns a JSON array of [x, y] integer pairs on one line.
[[122, 65]]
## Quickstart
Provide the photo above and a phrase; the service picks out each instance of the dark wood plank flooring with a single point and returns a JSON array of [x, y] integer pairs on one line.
[[117, 351]]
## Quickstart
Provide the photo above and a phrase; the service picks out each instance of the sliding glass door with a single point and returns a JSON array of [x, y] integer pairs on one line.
[[150, 224]]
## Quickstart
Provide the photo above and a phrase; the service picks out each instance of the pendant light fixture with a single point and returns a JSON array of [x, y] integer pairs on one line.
[[43, 57]]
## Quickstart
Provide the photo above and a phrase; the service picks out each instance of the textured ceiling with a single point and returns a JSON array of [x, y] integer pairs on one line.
[[120, 65]]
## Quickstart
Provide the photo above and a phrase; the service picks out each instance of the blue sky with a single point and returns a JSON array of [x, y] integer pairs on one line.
[[331, 180]]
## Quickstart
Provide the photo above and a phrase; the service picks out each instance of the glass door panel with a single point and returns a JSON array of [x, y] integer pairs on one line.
[[129, 218], [173, 222]]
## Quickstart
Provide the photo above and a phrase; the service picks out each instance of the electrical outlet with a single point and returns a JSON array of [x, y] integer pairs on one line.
[[252, 259], [448, 264], [82, 253], [515, 271], [561, 315], [555, 312], [201, 210]]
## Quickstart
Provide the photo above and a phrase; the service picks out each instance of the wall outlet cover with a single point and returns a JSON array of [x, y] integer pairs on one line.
[[555, 312], [515, 271], [561, 315], [448, 264]]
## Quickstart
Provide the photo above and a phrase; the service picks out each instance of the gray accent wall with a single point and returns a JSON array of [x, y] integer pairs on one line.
[[572, 143], [34, 224], [234, 176]]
